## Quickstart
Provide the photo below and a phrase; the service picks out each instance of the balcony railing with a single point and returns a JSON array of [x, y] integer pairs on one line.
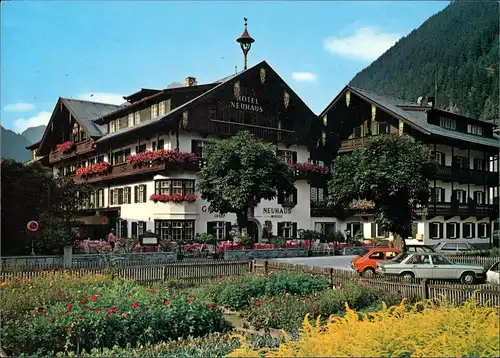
[[119, 171], [79, 148], [461, 209], [478, 177], [351, 144]]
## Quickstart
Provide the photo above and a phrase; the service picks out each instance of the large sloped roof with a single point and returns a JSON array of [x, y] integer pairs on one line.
[[86, 112], [417, 116]]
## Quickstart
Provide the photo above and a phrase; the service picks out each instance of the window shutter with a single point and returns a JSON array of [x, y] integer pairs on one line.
[[432, 230], [442, 195], [295, 195], [136, 194], [281, 197], [466, 230], [120, 196], [448, 230], [194, 147], [434, 192], [443, 159], [441, 227], [294, 157], [143, 226], [373, 230], [144, 196], [280, 229], [211, 227], [294, 230], [137, 149], [160, 144], [454, 196], [111, 197], [134, 229], [228, 230], [457, 231], [129, 195], [473, 234]]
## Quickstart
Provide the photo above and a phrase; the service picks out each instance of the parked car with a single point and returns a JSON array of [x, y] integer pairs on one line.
[[430, 266], [419, 248], [493, 274], [366, 262], [353, 250], [454, 247]]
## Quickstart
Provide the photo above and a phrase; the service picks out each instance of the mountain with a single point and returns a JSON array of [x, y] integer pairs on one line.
[[34, 134], [13, 145], [457, 49]]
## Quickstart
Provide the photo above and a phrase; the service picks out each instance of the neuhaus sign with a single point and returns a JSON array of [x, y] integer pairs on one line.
[[246, 103], [276, 212]]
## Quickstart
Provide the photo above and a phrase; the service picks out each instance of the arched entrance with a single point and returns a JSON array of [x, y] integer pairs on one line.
[[254, 230]]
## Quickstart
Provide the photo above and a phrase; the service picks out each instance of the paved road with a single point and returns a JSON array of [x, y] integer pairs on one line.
[[337, 262]]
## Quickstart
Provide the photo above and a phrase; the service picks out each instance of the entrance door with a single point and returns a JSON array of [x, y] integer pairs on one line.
[[253, 231]]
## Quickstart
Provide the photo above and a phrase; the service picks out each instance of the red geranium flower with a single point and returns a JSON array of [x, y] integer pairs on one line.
[[124, 315], [94, 298], [59, 293], [257, 303], [166, 303], [192, 298], [134, 305], [69, 329], [95, 311], [69, 305], [61, 313], [83, 300], [41, 313], [52, 319], [268, 277], [190, 301]]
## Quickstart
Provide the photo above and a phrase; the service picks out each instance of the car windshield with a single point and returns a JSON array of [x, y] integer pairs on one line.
[[401, 257], [363, 252]]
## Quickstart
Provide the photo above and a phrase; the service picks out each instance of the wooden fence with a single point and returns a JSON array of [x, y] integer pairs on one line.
[[415, 290], [185, 271]]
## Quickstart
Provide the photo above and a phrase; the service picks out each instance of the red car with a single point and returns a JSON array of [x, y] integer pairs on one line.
[[366, 263]]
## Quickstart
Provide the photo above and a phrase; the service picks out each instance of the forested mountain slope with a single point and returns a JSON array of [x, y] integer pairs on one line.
[[458, 48]]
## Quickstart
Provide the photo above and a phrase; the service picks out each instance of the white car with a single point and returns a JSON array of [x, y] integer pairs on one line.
[[493, 275]]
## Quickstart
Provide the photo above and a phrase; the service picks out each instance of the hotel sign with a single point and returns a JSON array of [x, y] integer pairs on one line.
[[276, 212], [246, 103], [204, 208]]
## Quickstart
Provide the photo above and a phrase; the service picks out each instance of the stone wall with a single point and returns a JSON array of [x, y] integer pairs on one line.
[[263, 254], [49, 261]]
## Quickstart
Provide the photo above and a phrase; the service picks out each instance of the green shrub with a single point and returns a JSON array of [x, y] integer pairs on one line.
[[125, 314], [238, 294]]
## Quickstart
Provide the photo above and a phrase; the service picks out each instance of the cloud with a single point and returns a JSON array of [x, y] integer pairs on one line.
[[367, 44], [111, 98], [21, 124], [19, 107], [304, 76]]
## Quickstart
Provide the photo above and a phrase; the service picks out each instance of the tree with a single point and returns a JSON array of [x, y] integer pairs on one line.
[[241, 171], [391, 171]]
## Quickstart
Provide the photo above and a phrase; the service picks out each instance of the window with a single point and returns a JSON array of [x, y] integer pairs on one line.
[[138, 228], [473, 129], [452, 230], [461, 196], [137, 117], [199, 147], [160, 145], [449, 247], [479, 197], [468, 230], [464, 247], [121, 196], [112, 127], [120, 156], [440, 260], [354, 227], [287, 229], [377, 231], [140, 193], [483, 230], [440, 158], [100, 159], [478, 164], [219, 229], [100, 198], [318, 194], [154, 111], [435, 230], [168, 187], [447, 123], [383, 128], [437, 195], [462, 162], [287, 199], [161, 108], [288, 156], [324, 228], [130, 119], [121, 228], [141, 148], [126, 193], [175, 230], [421, 260], [377, 256]]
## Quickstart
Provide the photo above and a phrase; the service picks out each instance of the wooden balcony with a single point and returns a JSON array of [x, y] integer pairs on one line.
[[80, 148], [462, 209], [463, 175], [351, 144], [121, 171], [320, 209]]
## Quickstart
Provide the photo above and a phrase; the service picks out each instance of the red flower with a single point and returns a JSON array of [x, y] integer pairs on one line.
[[65, 298], [268, 277], [166, 303], [94, 298], [359, 282], [41, 313], [257, 303], [52, 319], [59, 293], [192, 298], [95, 310], [64, 147], [69, 305], [190, 301], [61, 313], [83, 300], [69, 329], [124, 315], [98, 168], [114, 310], [134, 305], [342, 289]]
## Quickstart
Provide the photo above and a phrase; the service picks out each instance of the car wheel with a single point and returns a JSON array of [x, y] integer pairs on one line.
[[407, 276], [368, 272], [468, 278]]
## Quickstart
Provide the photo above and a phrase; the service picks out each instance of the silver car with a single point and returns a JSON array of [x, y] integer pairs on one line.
[[454, 247], [430, 266]]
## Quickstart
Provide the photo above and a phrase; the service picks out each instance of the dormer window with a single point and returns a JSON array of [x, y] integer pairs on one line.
[[137, 117], [447, 123], [112, 127], [473, 129], [154, 111], [130, 119]]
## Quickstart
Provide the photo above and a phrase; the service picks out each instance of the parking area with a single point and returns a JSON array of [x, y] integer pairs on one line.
[[336, 262]]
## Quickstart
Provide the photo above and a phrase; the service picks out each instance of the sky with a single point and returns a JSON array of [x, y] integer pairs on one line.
[[101, 51]]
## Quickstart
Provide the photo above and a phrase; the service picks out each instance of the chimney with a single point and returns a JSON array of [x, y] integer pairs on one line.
[[190, 81], [431, 101]]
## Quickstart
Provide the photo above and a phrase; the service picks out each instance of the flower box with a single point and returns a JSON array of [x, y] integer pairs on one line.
[[161, 156], [309, 167], [95, 169], [164, 198], [65, 147]]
